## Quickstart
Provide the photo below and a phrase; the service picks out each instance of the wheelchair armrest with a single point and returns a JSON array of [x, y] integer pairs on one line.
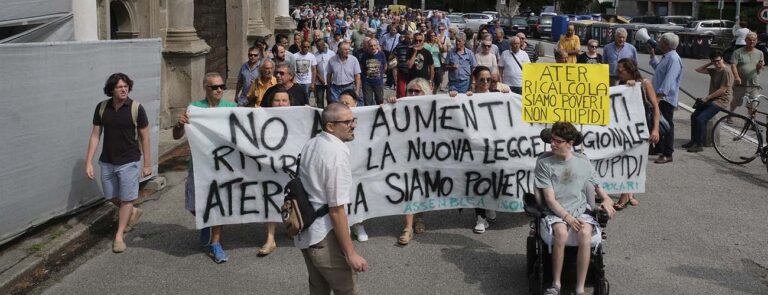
[[531, 206]]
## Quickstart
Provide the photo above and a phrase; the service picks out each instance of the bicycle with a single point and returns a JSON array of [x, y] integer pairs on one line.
[[740, 139]]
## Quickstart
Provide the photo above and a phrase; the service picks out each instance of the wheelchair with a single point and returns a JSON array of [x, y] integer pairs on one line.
[[538, 256]]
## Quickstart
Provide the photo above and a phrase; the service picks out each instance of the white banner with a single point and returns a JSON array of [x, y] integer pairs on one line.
[[420, 154]]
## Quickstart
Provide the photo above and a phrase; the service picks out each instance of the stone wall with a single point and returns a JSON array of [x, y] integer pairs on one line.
[[211, 26]]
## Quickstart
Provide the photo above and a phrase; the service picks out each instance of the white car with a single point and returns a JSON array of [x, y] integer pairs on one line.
[[457, 21], [475, 20]]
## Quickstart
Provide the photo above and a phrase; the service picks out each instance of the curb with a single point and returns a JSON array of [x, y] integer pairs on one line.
[[59, 244]]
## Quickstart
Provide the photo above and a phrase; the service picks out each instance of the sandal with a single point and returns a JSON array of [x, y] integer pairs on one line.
[[552, 290], [633, 201], [266, 249], [405, 237], [418, 226], [621, 204]]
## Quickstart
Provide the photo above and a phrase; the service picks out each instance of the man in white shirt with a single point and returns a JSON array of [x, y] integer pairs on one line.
[[322, 55], [306, 68], [326, 175], [511, 65]]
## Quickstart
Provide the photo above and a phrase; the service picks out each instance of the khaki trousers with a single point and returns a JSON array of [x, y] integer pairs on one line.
[[328, 268]]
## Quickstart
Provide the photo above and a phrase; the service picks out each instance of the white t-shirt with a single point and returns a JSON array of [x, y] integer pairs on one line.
[[326, 175], [304, 64], [740, 35], [513, 74]]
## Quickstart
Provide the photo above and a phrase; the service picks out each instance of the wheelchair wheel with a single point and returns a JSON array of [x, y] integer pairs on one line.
[[530, 255], [602, 287]]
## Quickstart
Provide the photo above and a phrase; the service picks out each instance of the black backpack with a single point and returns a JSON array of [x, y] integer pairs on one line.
[[297, 212]]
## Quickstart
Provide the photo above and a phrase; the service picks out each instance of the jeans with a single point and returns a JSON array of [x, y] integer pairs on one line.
[[372, 95], [307, 88], [459, 86], [699, 120], [336, 90], [321, 91], [666, 144], [437, 80]]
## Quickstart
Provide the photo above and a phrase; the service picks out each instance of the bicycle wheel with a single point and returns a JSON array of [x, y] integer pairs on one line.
[[738, 141]]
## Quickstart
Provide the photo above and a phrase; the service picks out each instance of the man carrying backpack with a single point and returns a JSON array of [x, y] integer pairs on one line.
[[123, 122], [326, 176]]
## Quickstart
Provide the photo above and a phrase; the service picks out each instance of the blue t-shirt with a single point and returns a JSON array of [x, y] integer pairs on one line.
[[373, 68]]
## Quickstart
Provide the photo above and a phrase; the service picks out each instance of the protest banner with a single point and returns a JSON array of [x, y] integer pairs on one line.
[[419, 154], [576, 93]]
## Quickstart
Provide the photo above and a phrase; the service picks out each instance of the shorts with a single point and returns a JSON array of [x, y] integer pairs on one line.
[[189, 193], [120, 181], [549, 220], [740, 91]]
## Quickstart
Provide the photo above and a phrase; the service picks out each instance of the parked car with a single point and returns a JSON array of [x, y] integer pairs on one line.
[[513, 25], [717, 27], [540, 25], [457, 21], [680, 20], [475, 20], [495, 14]]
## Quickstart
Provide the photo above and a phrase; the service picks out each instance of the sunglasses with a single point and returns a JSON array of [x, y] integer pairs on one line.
[[418, 40], [216, 87], [487, 46], [279, 73], [592, 46], [256, 55]]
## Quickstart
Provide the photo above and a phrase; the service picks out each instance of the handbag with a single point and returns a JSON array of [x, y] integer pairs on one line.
[[663, 123]]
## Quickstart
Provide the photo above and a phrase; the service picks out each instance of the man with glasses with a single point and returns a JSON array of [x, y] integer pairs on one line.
[[326, 174], [511, 66], [748, 61], [529, 48], [615, 51], [420, 62], [248, 73], [306, 68], [262, 84], [214, 87], [719, 98], [343, 72], [284, 74], [562, 177], [460, 64]]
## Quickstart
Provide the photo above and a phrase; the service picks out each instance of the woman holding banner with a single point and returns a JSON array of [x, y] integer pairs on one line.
[[483, 84], [417, 87], [628, 73]]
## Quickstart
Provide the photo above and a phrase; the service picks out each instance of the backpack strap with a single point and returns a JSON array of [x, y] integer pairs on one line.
[[135, 117], [103, 107], [322, 211]]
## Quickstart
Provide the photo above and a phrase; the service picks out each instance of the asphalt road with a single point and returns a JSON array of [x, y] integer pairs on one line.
[[699, 229]]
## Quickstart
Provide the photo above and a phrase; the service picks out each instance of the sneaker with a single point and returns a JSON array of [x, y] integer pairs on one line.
[[695, 149], [217, 253], [491, 214], [205, 237], [359, 231], [481, 225], [134, 220], [688, 145]]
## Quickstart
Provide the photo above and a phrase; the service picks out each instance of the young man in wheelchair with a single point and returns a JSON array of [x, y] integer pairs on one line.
[[561, 178]]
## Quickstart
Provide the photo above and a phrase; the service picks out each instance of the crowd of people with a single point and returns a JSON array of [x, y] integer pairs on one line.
[[342, 58]]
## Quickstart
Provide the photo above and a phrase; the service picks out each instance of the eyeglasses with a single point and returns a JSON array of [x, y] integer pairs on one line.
[[418, 40], [256, 55], [216, 87], [414, 91], [554, 140], [280, 73], [484, 80], [592, 46], [349, 123]]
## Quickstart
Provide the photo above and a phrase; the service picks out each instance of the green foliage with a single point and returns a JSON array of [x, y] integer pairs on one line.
[[573, 6]]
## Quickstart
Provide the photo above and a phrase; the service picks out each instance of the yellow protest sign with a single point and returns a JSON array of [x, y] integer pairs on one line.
[[576, 93]]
